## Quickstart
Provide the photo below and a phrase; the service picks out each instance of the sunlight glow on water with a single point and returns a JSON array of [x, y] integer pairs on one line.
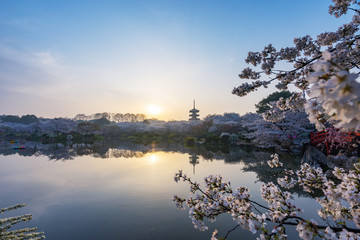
[[153, 158]]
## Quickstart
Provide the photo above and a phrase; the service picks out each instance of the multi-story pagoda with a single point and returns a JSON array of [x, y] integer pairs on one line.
[[194, 114]]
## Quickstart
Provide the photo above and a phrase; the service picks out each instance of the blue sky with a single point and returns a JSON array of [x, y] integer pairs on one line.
[[60, 58]]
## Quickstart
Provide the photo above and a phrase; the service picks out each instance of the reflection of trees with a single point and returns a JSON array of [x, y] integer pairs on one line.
[[232, 155], [123, 153], [258, 164], [58, 151], [53, 151], [116, 148], [254, 160]]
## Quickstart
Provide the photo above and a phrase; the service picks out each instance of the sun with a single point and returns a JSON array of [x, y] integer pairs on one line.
[[153, 109]]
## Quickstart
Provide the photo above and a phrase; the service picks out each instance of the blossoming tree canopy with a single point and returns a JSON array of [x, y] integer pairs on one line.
[[326, 67]]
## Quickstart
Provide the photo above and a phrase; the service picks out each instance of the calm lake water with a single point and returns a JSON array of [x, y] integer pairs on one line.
[[112, 190]]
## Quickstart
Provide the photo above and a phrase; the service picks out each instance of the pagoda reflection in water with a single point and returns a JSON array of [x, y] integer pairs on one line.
[[194, 160]]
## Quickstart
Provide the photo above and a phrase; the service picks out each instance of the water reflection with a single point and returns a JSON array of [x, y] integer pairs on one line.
[[119, 149], [127, 196], [254, 160]]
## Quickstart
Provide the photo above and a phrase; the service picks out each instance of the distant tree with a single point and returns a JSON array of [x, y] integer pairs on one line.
[[87, 127], [11, 118], [139, 117], [229, 127], [264, 105], [225, 118], [235, 117], [113, 117], [112, 131], [118, 117], [27, 119], [57, 126], [101, 122], [291, 132], [101, 115], [201, 129], [228, 122]]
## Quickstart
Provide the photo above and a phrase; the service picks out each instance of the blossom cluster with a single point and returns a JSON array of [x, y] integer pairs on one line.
[[340, 205], [335, 139], [337, 94], [24, 233], [288, 127], [275, 114], [278, 109], [324, 67], [245, 88], [274, 162]]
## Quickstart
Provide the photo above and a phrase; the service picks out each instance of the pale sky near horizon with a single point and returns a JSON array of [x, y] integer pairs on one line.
[[61, 58]]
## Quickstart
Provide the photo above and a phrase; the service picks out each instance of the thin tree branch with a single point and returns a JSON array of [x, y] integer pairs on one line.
[[356, 10], [227, 234]]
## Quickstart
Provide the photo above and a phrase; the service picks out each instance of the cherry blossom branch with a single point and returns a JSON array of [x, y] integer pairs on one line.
[[219, 198]]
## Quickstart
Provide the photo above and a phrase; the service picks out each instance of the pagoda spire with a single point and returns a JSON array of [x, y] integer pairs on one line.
[[194, 113]]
